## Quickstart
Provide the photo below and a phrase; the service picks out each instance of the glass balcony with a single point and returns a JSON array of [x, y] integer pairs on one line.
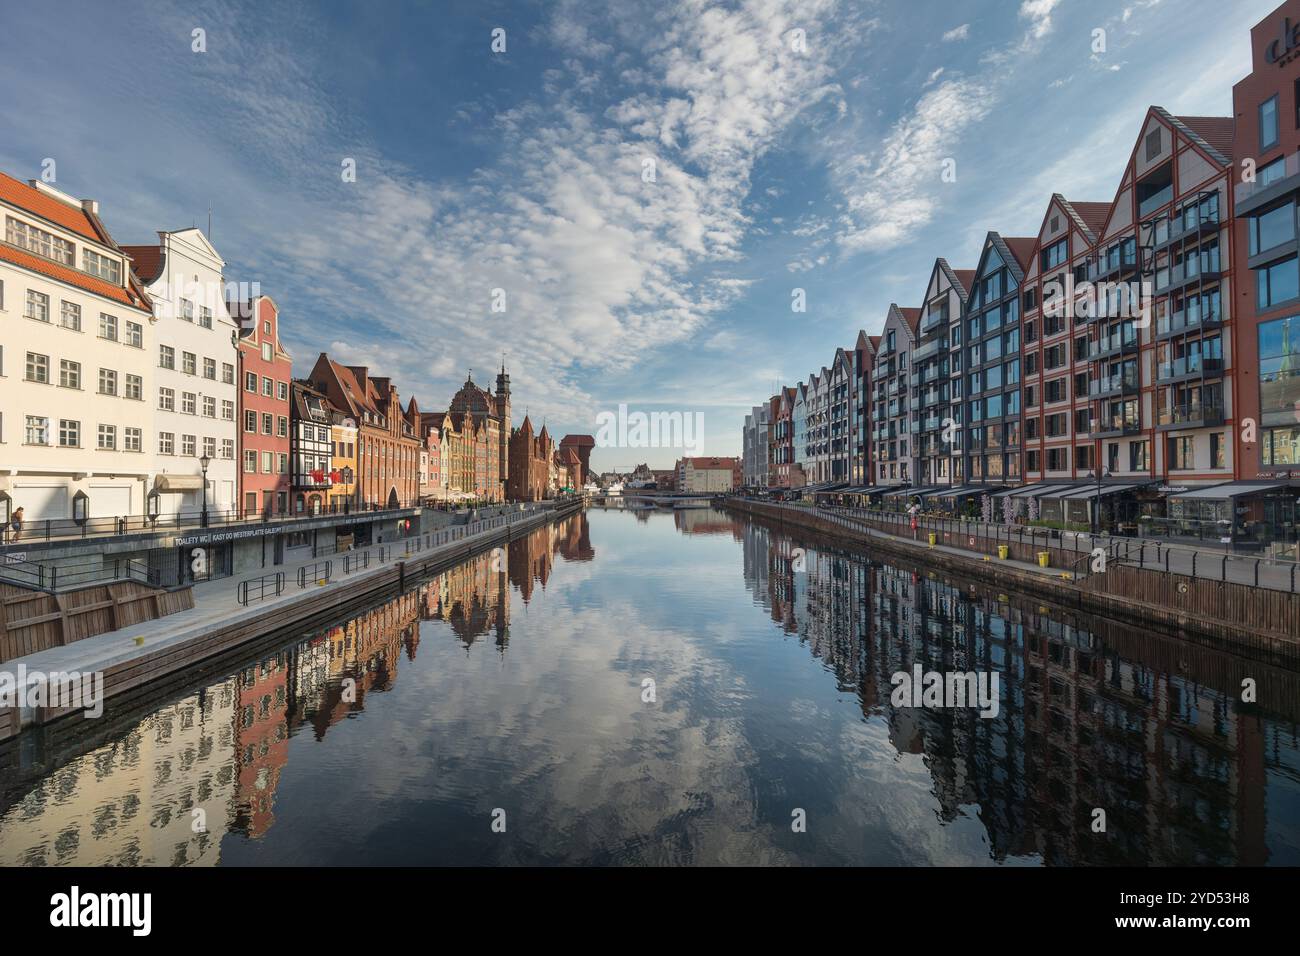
[[1190, 416], [1192, 318], [1118, 342], [1112, 384], [1189, 365], [929, 349], [1247, 191], [1114, 425]]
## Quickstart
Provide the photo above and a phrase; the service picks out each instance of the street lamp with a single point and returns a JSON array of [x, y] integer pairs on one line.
[[1098, 474], [203, 464]]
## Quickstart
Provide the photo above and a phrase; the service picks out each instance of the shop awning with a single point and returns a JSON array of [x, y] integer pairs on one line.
[[1067, 491], [963, 491], [166, 483], [1231, 489], [1039, 491], [1090, 491], [1008, 490]]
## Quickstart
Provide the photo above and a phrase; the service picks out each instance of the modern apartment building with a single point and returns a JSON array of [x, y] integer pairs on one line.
[[817, 428], [891, 417], [799, 430], [864, 360], [840, 378], [1169, 231], [1054, 342], [1266, 110], [990, 447], [76, 362], [194, 394], [755, 445], [264, 373], [934, 383]]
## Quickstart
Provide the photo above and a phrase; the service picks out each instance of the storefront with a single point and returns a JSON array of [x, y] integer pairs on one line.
[[1258, 516], [957, 500]]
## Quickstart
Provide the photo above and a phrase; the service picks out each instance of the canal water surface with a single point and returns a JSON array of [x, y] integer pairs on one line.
[[677, 688]]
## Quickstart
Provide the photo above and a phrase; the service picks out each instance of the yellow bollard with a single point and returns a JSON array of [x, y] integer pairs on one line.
[[1044, 559], [139, 642]]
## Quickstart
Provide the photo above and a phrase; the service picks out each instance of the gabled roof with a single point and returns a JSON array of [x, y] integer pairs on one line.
[[1213, 134], [1092, 215], [1014, 263], [964, 278], [72, 277], [1020, 247]]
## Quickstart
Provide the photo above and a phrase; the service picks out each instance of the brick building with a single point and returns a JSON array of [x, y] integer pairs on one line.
[[530, 455]]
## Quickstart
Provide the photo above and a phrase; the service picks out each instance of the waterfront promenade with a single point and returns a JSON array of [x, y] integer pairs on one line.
[[228, 611]]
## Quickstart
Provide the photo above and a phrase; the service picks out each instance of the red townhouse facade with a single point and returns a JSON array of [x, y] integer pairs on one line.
[[265, 372]]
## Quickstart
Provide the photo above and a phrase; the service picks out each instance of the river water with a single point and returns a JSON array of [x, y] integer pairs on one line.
[[677, 688]]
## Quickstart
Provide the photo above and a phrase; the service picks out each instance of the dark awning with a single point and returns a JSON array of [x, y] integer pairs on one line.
[[1231, 489], [1090, 491]]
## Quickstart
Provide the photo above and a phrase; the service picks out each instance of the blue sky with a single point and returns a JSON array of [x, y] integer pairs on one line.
[[777, 166]]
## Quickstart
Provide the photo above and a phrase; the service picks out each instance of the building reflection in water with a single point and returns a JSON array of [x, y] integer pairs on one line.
[[1146, 727], [1092, 715], [168, 786]]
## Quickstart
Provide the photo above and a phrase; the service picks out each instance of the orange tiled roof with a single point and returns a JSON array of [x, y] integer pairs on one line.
[[71, 276], [47, 207]]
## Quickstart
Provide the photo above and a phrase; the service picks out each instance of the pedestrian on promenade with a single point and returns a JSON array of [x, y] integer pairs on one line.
[[913, 510], [16, 520]]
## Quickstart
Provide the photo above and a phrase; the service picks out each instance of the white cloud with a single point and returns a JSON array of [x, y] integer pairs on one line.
[[957, 33]]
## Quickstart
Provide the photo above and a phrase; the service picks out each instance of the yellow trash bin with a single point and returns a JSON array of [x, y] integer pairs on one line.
[[934, 538], [1003, 551], [1044, 559]]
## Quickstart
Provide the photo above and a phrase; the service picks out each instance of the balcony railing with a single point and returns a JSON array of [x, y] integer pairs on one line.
[[1114, 425], [1190, 416], [1290, 167], [1189, 319], [1111, 344], [1202, 266], [1189, 365], [929, 349], [1110, 384]]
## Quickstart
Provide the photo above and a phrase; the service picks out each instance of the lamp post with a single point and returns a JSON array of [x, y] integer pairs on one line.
[[203, 464], [1099, 474]]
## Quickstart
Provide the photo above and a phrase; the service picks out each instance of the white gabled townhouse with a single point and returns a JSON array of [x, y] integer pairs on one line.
[[194, 395], [77, 357]]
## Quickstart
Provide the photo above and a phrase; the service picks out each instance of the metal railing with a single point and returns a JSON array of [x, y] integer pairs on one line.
[[1277, 574], [356, 561], [51, 529], [68, 576], [259, 588], [319, 572]]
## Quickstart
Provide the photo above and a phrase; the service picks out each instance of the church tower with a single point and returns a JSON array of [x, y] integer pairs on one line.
[[503, 436]]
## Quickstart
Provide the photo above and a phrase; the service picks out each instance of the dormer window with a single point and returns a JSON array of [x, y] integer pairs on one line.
[[110, 270], [39, 242]]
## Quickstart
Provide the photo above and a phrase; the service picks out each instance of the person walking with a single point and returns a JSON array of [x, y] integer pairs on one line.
[[913, 510], [16, 521]]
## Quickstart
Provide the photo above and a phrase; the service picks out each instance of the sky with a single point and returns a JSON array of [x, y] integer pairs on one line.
[[626, 198]]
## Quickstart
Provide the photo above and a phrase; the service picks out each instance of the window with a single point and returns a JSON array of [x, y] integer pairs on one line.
[[108, 326], [107, 438], [38, 368], [1218, 453], [250, 421], [250, 382], [282, 426], [1153, 144], [1083, 457], [1268, 124], [42, 243], [70, 316], [267, 387], [268, 353], [228, 410], [135, 388], [110, 270], [283, 463], [134, 335], [132, 439], [1055, 254], [282, 391], [1058, 459], [268, 422], [187, 310], [210, 447], [210, 369], [167, 399], [250, 461], [166, 356], [188, 403], [107, 381], [69, 374], [1277, 282], [1054, 357], [166, 443], [69, 433], [38, 430], [209, 406], [1181, 452], [227, 448], [189, 363], [1272, 228], [268, 462], [1031, 461], [188, 445], [228, 373], [38, 306]]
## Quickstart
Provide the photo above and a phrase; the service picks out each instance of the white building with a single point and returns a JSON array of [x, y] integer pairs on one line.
[[77, 357], [194, 392]]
